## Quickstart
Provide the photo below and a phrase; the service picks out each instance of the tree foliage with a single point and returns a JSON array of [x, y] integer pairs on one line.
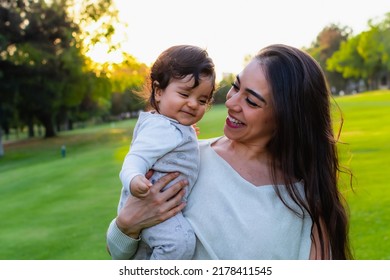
[[44, 74], [347, 60], [366, 55], [36, 43], [328, 42], [125, 98], [223, 87]]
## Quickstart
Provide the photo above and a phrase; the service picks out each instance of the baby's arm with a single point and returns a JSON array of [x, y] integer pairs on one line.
[[147, 147], [139, 186]]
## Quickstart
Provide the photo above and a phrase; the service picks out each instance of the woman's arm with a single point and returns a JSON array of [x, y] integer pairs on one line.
[[137, 214]]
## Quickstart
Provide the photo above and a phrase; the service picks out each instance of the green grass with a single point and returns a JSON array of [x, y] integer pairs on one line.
[[59, 208], [366, 133]]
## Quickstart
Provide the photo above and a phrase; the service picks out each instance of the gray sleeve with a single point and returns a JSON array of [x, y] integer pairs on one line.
[[121, 246], [155, 138]]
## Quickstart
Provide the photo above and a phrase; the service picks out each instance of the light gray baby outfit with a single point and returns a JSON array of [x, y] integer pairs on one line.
[[164, 145]]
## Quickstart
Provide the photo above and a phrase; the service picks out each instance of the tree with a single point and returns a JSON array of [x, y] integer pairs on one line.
[[375, 50], [1, 131], [366, 55], [347, 60], [384, 26], [327, 42], [128, 79], [43, 69], [96, 20], [223, 87], [37, 43], [370, 49], [1, 143]]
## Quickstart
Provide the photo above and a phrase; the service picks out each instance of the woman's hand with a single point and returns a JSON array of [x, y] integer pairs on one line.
[[153, 209]]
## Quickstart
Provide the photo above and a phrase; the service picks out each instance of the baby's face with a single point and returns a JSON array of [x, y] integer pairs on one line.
[[180, 101]]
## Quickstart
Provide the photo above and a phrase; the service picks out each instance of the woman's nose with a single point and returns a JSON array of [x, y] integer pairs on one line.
[[229, 94], [232, 102]]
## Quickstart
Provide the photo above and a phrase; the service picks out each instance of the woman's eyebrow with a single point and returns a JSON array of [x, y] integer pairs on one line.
[[252, 92]]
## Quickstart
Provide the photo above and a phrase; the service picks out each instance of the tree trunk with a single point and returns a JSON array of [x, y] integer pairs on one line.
[[30, 126], [70, 124], [48, 124], [1, 143], [49, 129]]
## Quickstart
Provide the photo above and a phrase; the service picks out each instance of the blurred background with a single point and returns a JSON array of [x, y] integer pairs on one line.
[[69, 70]]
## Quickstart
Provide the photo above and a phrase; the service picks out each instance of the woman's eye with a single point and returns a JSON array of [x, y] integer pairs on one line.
[[183, 94], [251, 103], [235, 86]]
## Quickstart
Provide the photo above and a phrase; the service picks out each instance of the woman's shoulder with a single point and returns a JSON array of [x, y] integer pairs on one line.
[[207, 142]]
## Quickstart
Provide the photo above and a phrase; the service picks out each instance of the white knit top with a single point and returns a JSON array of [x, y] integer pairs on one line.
[[233, 219]]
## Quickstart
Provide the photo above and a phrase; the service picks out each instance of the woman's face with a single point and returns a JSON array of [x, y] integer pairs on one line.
[[250, 110]]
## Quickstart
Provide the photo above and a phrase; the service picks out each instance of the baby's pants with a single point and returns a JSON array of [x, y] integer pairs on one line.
[[172, 239]]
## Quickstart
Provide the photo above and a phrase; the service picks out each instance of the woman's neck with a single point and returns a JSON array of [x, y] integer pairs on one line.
[[250, 161]]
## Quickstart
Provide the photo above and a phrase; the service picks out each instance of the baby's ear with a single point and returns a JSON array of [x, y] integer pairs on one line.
[[156, 85], [157, 90]]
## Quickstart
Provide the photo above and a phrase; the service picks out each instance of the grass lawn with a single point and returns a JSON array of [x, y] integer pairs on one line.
[[366, 133], [59, 208]]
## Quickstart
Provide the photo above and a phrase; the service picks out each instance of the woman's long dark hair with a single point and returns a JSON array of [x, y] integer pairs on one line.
[[304, 146]]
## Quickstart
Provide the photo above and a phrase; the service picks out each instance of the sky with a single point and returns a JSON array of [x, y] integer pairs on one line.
[[232, 29]]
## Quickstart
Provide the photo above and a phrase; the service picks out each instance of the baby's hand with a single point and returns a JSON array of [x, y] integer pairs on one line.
[[140, 186]]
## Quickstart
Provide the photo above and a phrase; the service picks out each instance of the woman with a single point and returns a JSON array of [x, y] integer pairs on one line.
[[270, 181]]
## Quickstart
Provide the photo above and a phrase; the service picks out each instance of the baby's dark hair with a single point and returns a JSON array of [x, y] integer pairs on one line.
[[178, 62]]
